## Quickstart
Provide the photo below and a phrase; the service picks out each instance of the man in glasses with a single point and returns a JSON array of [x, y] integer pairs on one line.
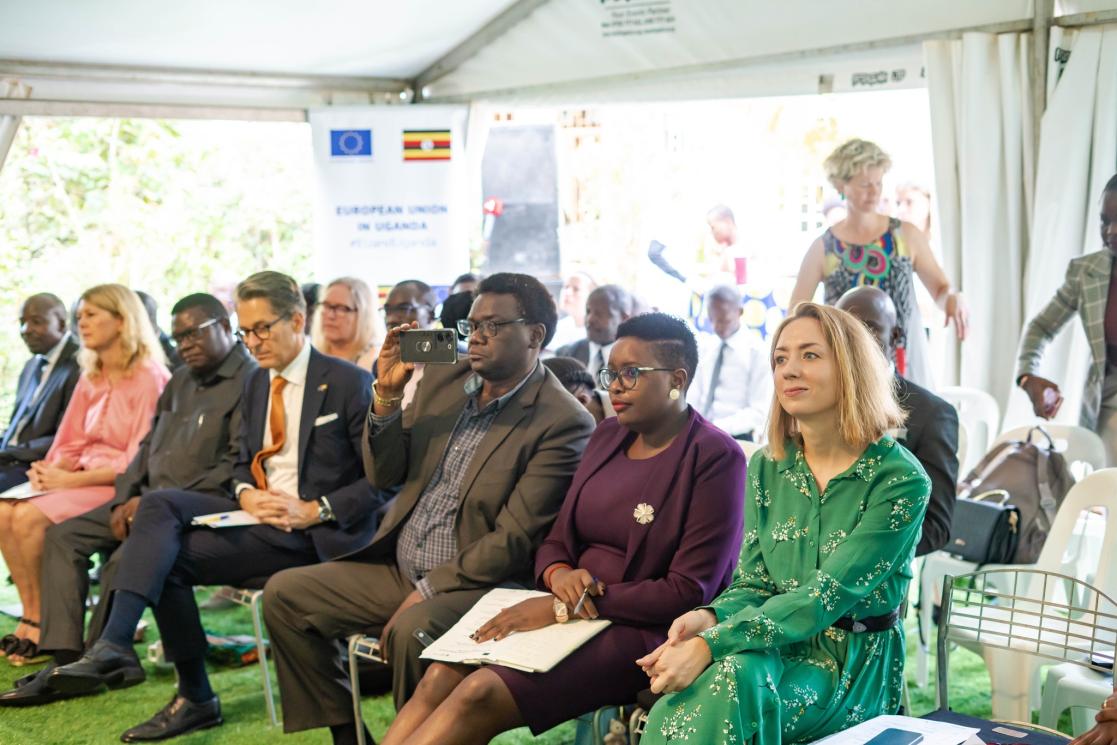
[[191, 444], [484, 455], [412, 302], [298, 474]]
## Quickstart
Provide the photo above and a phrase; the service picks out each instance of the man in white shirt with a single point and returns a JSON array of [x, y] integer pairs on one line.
[[733, 385], [607, 308]]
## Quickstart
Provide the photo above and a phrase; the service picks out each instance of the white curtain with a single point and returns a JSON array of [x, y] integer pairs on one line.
[[1077, 155], [981, 129]]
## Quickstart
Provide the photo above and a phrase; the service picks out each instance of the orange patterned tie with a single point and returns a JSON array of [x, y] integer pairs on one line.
[[277, 423]]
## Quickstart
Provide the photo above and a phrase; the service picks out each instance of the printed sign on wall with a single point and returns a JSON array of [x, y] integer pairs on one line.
[[390, 193]]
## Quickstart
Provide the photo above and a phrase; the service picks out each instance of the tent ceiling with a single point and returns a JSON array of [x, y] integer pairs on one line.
[[364, 38]]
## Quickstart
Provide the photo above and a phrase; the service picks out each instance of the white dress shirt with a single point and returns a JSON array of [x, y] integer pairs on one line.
[[282, 469], [743, 395], [592, 364]]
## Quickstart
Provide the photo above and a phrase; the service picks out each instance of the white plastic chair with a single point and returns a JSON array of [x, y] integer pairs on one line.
[[979, 413], [1015, 678], [1082, 691], [1084, 452], [252, 598]]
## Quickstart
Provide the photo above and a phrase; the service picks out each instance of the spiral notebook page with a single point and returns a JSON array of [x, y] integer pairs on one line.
[[530, 651]]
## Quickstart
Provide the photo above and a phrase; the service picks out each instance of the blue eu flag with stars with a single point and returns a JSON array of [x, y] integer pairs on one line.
[[346, 143]]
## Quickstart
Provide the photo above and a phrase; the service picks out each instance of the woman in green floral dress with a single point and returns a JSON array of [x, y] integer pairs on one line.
[[806, 641]]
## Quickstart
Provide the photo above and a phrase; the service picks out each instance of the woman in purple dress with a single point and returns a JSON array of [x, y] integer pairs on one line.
[[123, 373], [651, 526]]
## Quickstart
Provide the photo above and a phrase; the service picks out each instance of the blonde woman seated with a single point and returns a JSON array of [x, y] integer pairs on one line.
[[346, 324], [807, 640], [123, 373]]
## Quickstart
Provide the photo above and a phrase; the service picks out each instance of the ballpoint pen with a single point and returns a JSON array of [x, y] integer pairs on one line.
[[582, 600]]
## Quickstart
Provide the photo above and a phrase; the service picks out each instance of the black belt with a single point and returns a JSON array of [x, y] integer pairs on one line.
[[873, 623]]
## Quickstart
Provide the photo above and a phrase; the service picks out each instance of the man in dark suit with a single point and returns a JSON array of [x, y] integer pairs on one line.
[[299, 474], [484, 454], [607, 308], [45, 386], [931, 430], [192, 444]]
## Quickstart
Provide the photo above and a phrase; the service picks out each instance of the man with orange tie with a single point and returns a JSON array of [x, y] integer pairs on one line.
[[300, 475]]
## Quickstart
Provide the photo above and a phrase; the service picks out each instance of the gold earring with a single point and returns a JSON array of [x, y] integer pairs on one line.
[[674, 394]]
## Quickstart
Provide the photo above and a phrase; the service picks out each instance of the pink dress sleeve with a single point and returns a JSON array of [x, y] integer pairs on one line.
[[148, 383], [70, 439]]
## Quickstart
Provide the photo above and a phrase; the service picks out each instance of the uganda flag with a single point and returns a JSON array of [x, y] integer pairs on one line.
[[426, 144]]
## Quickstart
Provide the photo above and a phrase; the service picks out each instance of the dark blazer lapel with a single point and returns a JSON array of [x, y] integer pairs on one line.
[[313, 397], [261, 387], [660, 483], [506, 420]]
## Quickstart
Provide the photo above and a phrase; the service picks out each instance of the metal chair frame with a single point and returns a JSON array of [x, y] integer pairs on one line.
[[252, 599], [1026, 611], [367, 648]]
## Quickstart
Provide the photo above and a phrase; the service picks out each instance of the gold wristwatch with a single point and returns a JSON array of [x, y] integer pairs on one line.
[[562, 613]]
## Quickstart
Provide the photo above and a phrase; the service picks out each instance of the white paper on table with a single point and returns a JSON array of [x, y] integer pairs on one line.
[[234, 519], [21, 491], [934, 733]]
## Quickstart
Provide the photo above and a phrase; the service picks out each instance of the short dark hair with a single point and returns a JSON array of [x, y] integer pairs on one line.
[[725, 293], [570, 372], [1111, 185], [672, 339], [310, 292], [617, 297], [208, 304], [281, 291], [426, 292], [455, 308], [535, 301], [467, 277]]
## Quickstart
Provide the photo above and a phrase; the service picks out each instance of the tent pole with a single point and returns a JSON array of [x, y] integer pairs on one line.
[[9, 126], [1041, 39]]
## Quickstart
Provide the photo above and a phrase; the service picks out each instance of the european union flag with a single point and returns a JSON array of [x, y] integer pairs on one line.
[[345, 143]]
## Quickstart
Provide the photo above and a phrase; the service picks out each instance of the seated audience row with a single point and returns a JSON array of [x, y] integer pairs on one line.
[[499, 483]]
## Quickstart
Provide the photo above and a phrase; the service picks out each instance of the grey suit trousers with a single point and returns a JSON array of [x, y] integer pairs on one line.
[[310, 611], [65, 566]]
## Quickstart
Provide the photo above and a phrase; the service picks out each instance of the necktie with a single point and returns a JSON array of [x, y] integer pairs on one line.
[[277, 425], [25, 402], [598, 361], [714, 379]]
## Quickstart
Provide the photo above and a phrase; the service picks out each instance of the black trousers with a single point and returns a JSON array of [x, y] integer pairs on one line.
[[166, 557], [66, 553], [12, 474]]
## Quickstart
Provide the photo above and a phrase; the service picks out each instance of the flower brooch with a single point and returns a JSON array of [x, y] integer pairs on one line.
[[644, 513]]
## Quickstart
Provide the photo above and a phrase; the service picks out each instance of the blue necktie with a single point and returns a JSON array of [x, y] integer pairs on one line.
[[25, 402]]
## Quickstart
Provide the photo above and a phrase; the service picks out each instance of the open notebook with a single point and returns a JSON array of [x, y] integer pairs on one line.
[[530, 651], [21, 491]]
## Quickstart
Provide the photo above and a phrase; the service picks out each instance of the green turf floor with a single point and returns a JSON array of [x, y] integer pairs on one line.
[[98, 720]]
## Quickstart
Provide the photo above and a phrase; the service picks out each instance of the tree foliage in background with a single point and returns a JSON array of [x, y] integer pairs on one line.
[[170, 207]]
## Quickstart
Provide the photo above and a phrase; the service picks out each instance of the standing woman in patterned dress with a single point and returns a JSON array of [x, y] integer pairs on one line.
[[808, 639], [868, 248]]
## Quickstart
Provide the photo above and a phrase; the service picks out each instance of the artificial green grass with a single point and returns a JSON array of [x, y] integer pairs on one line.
[[99, 720]]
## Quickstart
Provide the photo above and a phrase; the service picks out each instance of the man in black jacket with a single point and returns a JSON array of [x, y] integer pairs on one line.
[[931, 431], [45, 387]]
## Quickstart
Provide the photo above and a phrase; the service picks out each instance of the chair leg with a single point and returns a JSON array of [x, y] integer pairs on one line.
[[262, 653], [355, 687]]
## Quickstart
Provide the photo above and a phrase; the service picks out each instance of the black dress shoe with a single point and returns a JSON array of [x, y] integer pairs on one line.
[[32, 690], [176, 718], [105, 664]]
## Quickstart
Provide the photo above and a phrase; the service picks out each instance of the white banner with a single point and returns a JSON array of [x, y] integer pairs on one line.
[[391, 191]]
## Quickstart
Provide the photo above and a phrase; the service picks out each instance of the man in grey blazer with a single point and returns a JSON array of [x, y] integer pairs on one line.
[[45, 386], [484, 454], [607, 308], [1090, 291]]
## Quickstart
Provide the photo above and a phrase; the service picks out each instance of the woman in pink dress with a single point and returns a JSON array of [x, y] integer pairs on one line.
[[123, 374]]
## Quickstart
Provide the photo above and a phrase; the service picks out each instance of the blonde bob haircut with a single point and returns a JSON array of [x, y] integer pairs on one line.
[[867, 406], [370, 327], [137, 335], [853, 157]]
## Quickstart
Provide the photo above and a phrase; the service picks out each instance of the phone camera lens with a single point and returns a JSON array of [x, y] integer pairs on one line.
[[424, 345]]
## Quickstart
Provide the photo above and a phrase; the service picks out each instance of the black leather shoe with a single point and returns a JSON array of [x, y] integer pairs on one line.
[[32, 690], [176, 718], [105, 664]]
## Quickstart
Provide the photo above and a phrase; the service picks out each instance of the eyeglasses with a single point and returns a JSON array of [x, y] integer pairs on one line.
[[627, 375], [488, 329], [191, 335], [261, 331], [407, 309], [334, 309]]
